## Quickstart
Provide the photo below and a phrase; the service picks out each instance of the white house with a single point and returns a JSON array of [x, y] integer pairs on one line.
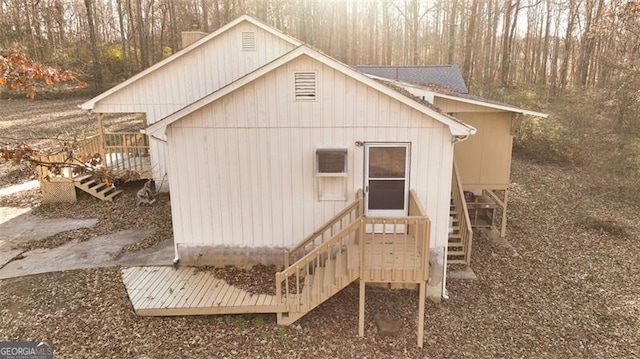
[[261, 140], [199, 69], [260, 164]]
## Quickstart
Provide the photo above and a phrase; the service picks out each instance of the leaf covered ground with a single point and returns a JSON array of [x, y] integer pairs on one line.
[[573, 292]]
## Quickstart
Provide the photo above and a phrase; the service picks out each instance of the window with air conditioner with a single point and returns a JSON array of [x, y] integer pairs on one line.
[[331, 174]]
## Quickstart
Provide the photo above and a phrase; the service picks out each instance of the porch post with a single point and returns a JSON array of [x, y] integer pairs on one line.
[[361, 309], [421, 300], [360, 272], [503, 226], [100, 117]]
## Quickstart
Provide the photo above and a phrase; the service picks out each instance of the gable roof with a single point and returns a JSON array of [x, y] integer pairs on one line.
[[463, 97], [89, 105], [448, 76], [456, 127]]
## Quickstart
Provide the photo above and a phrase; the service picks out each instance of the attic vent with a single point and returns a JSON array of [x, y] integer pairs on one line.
[[248, 41], [305, 86]]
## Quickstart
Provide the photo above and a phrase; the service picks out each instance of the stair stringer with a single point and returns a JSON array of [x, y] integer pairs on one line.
[[327, 270]]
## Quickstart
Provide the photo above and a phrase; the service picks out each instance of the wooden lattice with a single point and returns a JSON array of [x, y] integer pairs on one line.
[[53, 192]]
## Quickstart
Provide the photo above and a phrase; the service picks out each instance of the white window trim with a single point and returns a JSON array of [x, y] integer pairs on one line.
[[324, 179]]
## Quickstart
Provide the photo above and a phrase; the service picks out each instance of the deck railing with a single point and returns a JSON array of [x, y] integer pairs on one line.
[[397, 249], [375, 249], [88, 146], [466, 232], [121, 151], [45, 171], [126, 151], [352, 212], [293, 285]]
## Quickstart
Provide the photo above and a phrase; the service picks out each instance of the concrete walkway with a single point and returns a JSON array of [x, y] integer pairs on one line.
[[19, 187], [96, 252], [19, 225]]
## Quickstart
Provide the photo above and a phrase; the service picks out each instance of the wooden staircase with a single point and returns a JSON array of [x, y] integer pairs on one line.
[[455, 246], [345, 250], [461, 236], [96, 188], [320, 280]]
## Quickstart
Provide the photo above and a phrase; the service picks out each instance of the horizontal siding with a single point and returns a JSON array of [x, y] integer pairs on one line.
[[243, 167]]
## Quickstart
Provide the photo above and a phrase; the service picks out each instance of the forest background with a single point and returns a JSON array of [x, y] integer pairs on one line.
[[578, 60]]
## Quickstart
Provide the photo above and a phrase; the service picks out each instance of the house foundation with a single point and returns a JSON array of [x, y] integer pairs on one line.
[[220, 256], [436, 266]]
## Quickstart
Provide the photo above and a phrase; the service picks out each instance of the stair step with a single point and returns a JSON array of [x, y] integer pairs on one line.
[[99, 186], [353, 261], [330, 273], [81, 178], [341, 266], [89, 183], [306, 289], [110, 196], [456, 261], [455, 236], [455, 253], [318, 282]]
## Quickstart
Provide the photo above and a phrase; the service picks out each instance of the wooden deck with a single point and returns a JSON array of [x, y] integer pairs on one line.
[[165, 291], [387, 252]]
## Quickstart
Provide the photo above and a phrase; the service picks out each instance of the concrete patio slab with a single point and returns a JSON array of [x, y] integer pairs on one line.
[[96, 252], [466, 273], [19, 187], [28, 227]]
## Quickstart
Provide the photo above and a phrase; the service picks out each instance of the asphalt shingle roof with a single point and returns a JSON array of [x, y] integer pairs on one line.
[[448, 76]]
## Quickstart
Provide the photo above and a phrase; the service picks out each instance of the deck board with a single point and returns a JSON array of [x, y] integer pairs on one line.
[[164, 291]]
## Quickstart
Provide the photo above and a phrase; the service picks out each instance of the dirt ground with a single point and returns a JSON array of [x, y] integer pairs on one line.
[[573, 292]]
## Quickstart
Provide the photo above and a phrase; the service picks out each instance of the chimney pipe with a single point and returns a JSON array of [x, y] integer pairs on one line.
[[189, 37]]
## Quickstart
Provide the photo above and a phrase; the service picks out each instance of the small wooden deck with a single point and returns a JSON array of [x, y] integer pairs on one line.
[[165, 291]]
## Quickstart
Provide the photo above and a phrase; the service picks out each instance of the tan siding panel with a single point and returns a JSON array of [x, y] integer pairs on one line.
[[484, 160]]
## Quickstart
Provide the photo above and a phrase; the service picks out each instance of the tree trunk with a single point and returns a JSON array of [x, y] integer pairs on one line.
[[452, 31], [97, 69], [123, 41], [467, 68]]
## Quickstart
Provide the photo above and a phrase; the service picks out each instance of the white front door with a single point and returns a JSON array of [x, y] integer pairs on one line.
[[386, 178]]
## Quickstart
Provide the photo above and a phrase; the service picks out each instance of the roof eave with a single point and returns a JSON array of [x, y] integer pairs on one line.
[[89, 105], [457, 128], [492, 105]]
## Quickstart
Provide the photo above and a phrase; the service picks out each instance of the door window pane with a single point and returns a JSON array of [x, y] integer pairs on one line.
[[387, 194], [387, 162]]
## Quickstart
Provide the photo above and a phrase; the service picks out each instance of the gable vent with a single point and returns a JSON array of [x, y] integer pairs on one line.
[[248, 41], [305, 86]]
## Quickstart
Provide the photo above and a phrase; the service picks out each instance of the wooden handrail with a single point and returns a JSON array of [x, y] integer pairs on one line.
[[414, 203], [466, 232], [310, 259], [319, 233]]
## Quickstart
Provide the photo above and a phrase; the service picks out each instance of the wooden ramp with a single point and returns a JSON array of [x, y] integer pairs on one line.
[[165, 291]]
